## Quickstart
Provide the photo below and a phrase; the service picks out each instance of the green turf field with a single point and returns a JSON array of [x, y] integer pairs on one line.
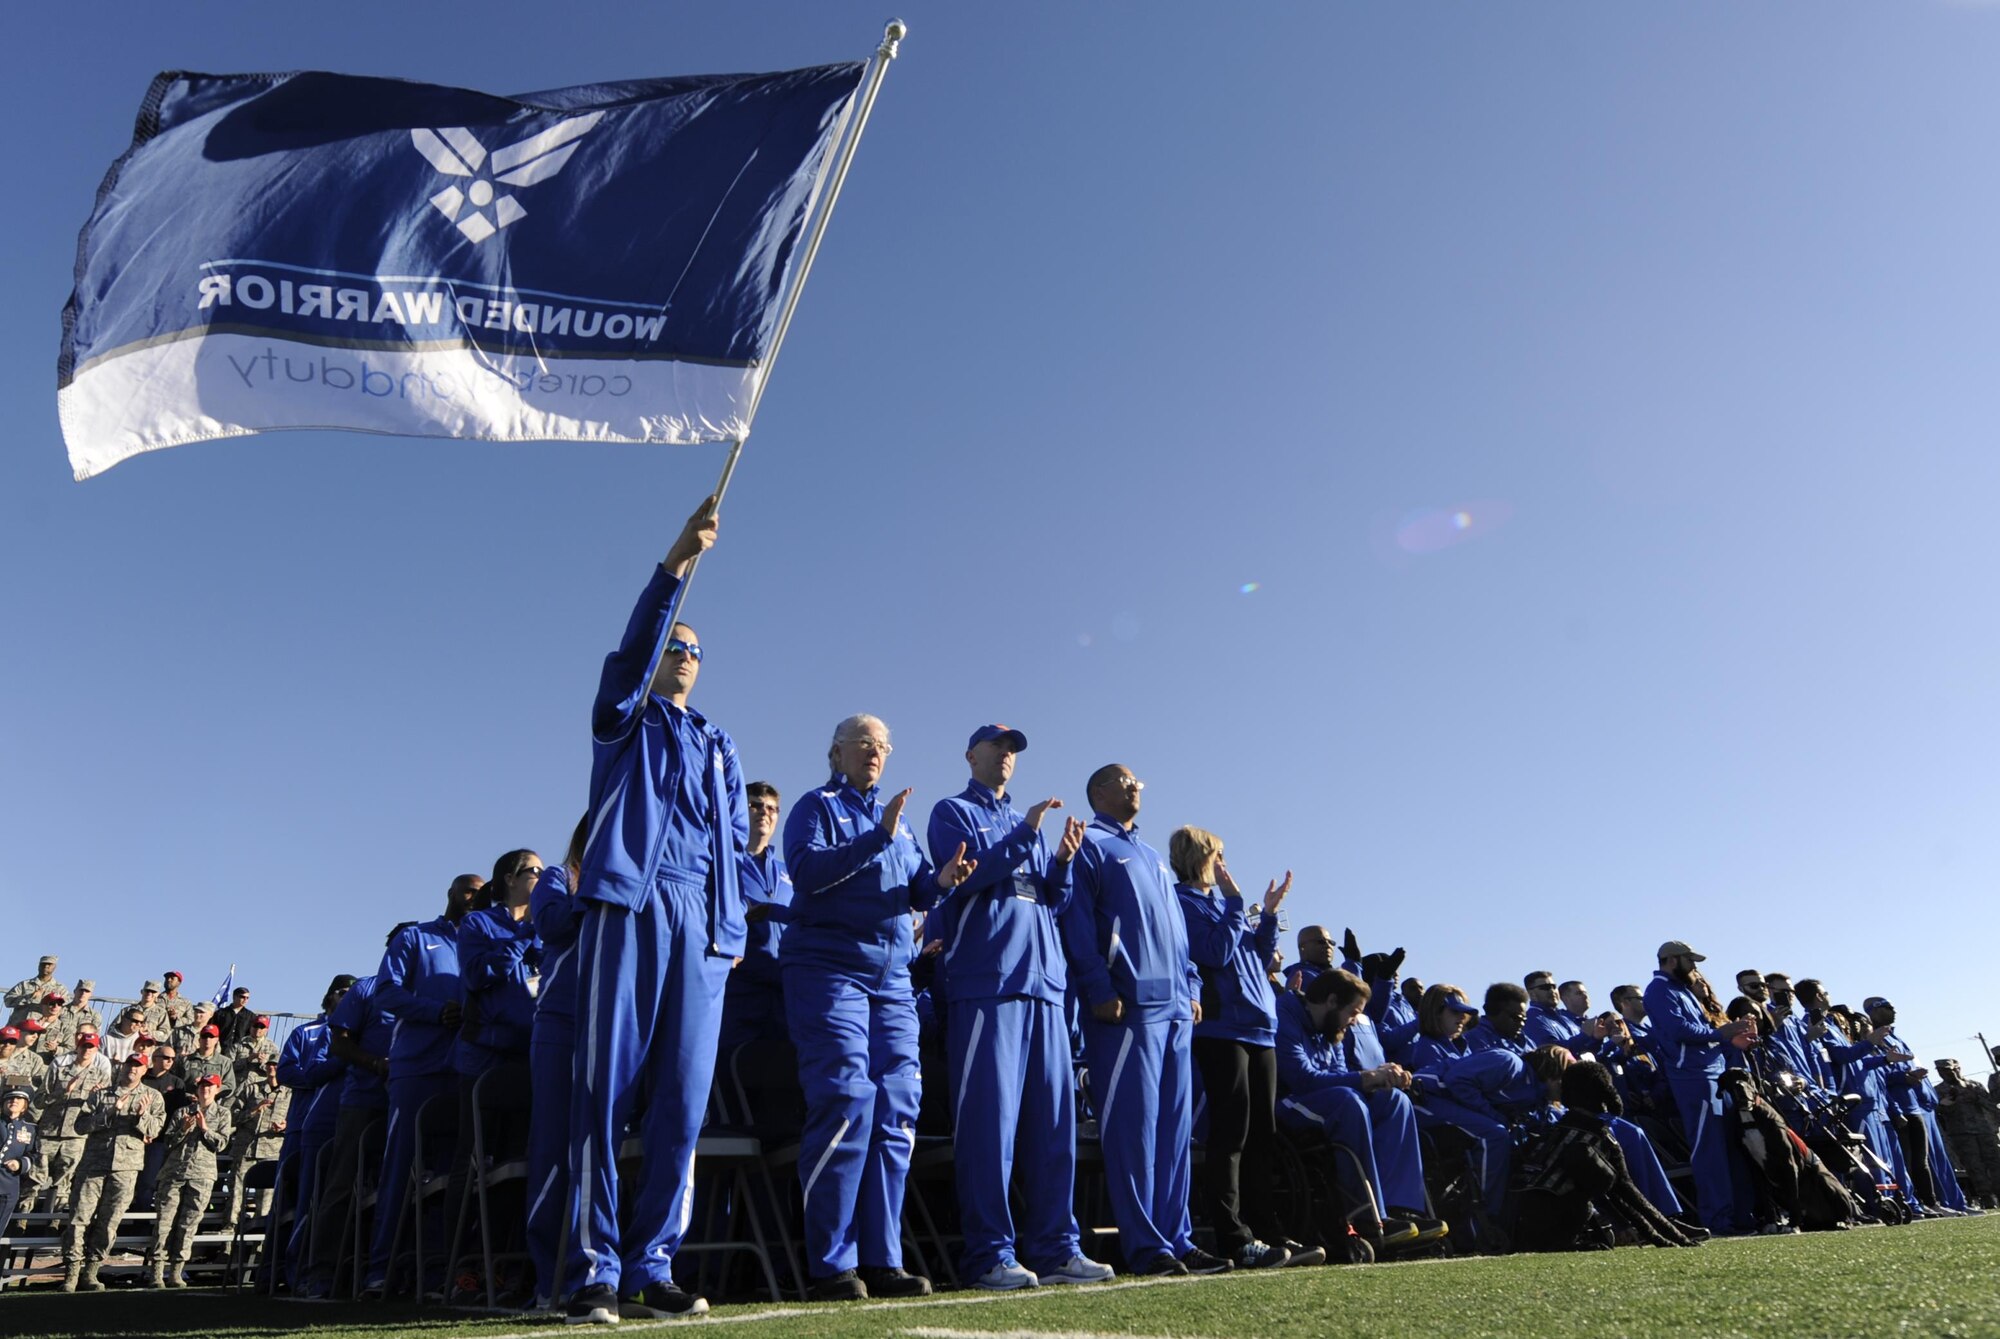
[[1930, 1279]]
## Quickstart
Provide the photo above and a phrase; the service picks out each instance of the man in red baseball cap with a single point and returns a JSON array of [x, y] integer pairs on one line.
[[73, 1080], [123, 1120], [20, 1067], [197, 1132]]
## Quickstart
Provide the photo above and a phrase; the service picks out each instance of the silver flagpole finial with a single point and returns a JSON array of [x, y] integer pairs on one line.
[[892, 34]]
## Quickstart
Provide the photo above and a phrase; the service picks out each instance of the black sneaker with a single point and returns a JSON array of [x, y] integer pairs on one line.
[[1388, 1232], [1428, 1229], [594, 1305], [894, 1281], [846, 1286], [661, 1301], [1164, 1266], [1304, 1255], [1258, 1255], [1199, 1261]]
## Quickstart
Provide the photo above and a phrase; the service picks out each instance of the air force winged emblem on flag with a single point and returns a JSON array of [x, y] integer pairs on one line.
[[456, 152]]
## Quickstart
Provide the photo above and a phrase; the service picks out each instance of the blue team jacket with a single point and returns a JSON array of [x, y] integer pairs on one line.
[[1547, 1027], [557, 916], [417, 978], [1123, 928], [1239, 1004], [498, 958], [361, 1014], [1682, 1037], [1495, 1083], [1482, 1037], [765, 882], [666, 789], [854, 888], [1308, 1059], [310, 1069], [999, 926], [1428, 1055]]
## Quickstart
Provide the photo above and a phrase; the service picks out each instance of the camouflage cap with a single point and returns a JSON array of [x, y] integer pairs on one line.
[[48, 960], [153, 986], [85, 984]]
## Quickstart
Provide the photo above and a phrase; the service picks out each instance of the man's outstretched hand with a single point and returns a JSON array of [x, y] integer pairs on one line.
[[696, 538]]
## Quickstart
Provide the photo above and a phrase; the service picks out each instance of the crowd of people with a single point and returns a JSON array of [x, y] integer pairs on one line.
[[1072, 986]]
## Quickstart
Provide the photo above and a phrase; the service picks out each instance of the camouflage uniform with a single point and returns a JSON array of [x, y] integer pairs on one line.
[[262, 1104], [247, 1057], [180, 1011], [25, 1069], [1970, 1121], [187, 1037], [67, 1090], [121, 1121], [187, 1179], [155, 1019], [59, 1032], [25, 997], [193, 1066]]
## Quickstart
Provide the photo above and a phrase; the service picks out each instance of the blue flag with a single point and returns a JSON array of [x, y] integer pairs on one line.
[[598, 263], [221, 995]]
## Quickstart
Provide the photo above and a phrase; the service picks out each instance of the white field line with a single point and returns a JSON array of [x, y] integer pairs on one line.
[[930, 1333]]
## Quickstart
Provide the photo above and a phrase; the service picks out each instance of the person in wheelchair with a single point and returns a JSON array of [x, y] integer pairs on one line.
[[1366, 1111]]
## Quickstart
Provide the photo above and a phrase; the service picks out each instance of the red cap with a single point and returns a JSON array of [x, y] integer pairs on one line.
[[10, 1034], [175, 975], [263, 1020], [209, 1081], [211, 1031], [32, 1025], [138, 1058], [87, 1038], [55, 997], [147, 1039]]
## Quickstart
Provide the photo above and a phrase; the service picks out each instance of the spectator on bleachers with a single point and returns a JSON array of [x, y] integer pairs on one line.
[[195, 1133], [1008, 1055], [160, 1074], [25, 996], [1502, 1017], [188, 1035], [852, 1012], [257, 1119], [154, 1019], [20, 1150], [551, 1064], [1689, 1037], [20, 1067], [1368, 1111], [254, 1050], [208, 1058], [120, 1120], [1129, 965], [67, 1093], [180, 1009], [1233, 1047], [122, 1038], [236, 1019], [57, 1036]]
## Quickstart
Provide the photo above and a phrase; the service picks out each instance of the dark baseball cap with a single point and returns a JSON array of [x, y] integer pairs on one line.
[[1015, 739]]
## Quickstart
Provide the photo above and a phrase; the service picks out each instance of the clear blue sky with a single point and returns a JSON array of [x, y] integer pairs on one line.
[[1688, 311]]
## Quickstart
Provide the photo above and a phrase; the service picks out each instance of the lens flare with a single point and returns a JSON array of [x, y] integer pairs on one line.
[[1432, 529], [1250, 588]]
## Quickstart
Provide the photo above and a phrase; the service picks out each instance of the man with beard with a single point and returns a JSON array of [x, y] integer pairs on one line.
[[1692, 1048]]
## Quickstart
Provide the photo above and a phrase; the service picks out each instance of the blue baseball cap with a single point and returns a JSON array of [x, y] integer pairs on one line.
[[1459, 1006], [1014, 737]]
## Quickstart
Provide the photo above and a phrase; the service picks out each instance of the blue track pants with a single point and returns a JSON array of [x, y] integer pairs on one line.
[[1379, 1126], [1723, 1193], [1013, 1091], [858, 1067], [648, 1006], [407, 1096], [551, 1070], [1495, 1152], [1140, 1086]]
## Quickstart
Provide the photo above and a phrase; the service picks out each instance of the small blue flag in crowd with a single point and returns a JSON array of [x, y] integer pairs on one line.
[[599, 263], [221, 995]]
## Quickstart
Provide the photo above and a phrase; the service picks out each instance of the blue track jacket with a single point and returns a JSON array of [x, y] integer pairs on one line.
[[1682, 1037], [312, 1071], [1308, 1059], [558, 917], [360, 1013], [1239, 1004], [1124, 931], [499, 966], [765, 882], [854, 888], [1497, 1084], [1481, 1036], [417, 978], [1002, 939], [1551, 1027], [666, 789]]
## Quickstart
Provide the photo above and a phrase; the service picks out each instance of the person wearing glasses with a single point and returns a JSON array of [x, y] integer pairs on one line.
[[1128, 955], [662, 923], [858, 874], [1005, 985], [753, 1003]]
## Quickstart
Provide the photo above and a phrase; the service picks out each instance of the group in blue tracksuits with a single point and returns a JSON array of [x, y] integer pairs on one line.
[[1366, 1111], [309, 1068], [1003, 982], [662, 921], [753, 1001], [1128, 955], [1690, 1049], [417, 984], [1233, 1045], [1915, 1102], [556, 914], [360, 1030], [858, 874]]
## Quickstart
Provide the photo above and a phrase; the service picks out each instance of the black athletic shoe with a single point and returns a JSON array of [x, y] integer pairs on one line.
[[894, 1281], [1303, 1255], [846, 1286], [662, 1301], [595, 1305], [1428, 1229], [1259, 1255], [1199, 1261], [1164, 1266], [1390, 1233]]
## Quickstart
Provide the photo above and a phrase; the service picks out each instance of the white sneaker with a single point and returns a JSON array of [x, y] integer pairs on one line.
[[1005, 1278], [1079, 1269]]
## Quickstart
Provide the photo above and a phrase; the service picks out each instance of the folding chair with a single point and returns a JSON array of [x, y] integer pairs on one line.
[[501, 1091]]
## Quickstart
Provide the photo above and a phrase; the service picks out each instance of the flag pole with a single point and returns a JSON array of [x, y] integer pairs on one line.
[[871, 85]]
